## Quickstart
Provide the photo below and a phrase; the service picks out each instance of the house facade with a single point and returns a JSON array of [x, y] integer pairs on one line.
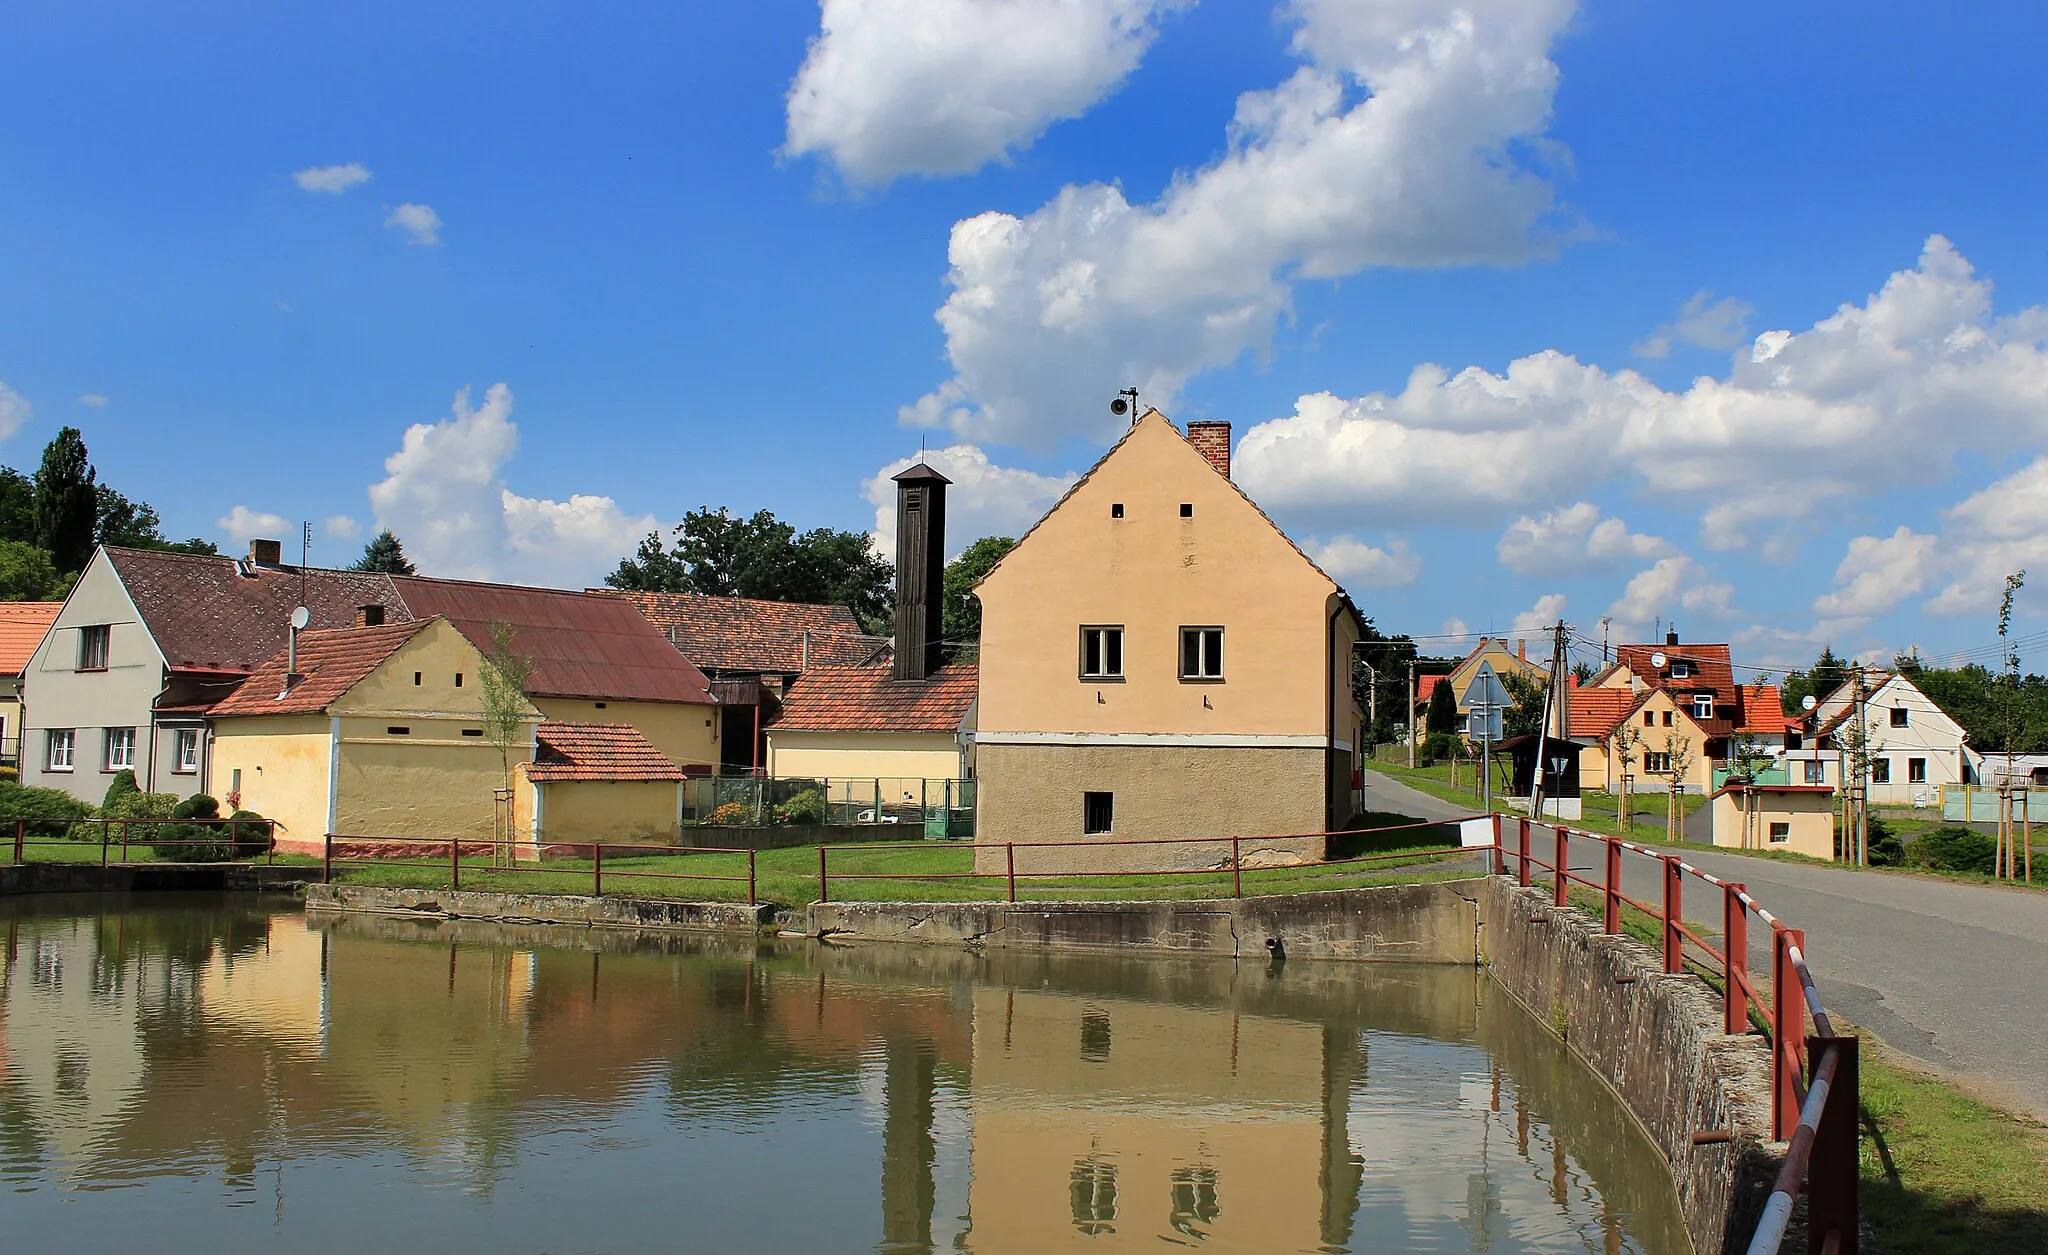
[[1662, 736], [1799, 818], [1913, 746], [23, 625], [1699, 707], [1158, 660], [1488, 652]]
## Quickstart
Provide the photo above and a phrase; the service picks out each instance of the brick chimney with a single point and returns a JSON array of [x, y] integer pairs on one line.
[[371, 615], [1212, 441], [1671, 639], [266, 552], [920, 571]]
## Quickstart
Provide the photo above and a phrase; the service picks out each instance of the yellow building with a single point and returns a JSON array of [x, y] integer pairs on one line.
[[1795, 817], [1661, 734], [1158, 660], [860, 723], [599, 784], [1489, 652], [378, 733]]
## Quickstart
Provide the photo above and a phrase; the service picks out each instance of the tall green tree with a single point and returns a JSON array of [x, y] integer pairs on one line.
[[17, 506], [1443, 708], [962, 609], [26, 573], [724, 555], [384, 553], [67, 501]]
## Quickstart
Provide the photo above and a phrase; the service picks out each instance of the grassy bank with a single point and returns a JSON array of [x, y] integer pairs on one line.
[[1944, 1173]]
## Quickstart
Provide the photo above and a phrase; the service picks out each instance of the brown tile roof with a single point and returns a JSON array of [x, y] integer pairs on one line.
[[1596, 713], [582, 644], [742, 634], [1763, 711], [1713, 671], [598, 751], [868, 699], [332, 663], [205, 614], [22, 627]]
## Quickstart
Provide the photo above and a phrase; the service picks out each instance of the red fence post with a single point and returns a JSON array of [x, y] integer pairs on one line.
[[1561, 879], [1010, 862], [1612, 924], [1522, 850], [1236, 869], [1831, 1170], [597, 869], [327, 859], [1500, 852], [104, 839], [1735, 970], [822, 892], [751, 899], [20, 838], [1674, 914], [124, 840], [454, 864], [1788, 1032]]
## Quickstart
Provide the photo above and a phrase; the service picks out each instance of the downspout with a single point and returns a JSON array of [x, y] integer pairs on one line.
[[1330, 712], [333, 770], [149, 785]]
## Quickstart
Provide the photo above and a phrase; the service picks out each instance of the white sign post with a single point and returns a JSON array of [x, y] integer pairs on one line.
[[1489, 702]]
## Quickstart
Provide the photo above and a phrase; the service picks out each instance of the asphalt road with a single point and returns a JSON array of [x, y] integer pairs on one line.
[[1953, 975]]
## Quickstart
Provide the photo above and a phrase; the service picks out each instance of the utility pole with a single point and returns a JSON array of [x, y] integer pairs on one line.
[[1411, 714], [1605, 622], [1555, 710], [1859, 837]]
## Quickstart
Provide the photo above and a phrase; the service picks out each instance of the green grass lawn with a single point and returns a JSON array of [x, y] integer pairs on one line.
[[1599, 810]]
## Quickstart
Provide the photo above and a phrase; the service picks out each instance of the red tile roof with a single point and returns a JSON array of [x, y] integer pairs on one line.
[[22, 627], [868, 699], [1733, 787], [723, 634], [582, 644], [1425, 686], [597, 751], [206, 613], [1713, 672], [1596, 713], [1763, 711], [332, 663]]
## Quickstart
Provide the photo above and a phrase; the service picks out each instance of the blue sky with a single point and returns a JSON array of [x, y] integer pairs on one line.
[[689, 255]]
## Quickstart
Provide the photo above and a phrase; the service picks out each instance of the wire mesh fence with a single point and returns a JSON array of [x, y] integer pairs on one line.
[[931, 808]]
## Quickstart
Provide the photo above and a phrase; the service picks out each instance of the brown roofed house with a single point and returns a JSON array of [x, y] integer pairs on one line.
[[23, 625]]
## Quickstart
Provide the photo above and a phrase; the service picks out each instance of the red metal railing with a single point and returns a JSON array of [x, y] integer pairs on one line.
[[1813, 1077], [448, 856]]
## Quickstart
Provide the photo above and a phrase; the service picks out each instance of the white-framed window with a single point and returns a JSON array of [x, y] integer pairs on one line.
[[1816, 771], [1201, 653], [1781, 832], [185, 752], [1681, 670], [1880, 771], [1916, 771], [58, 745], [1657, 764], [1703, 705], [1102, 653], [93, 641], [120, 750]]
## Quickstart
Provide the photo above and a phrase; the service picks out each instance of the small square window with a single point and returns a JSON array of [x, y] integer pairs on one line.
[[1649, 718], [1703, 705], [1781, 832], [1098, 813], [1816, 771], [396, 730], [1880, 771], [1201, 653], [1102, 653], [92, 647], [1116, 510], [1667, 718], [458, 679], [1187, 509], [1899, 716], [1681, 670], [1916, 771]]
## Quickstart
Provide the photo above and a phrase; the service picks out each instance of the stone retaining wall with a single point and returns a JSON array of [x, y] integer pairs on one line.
[[1655, 1039], [540, 908], [149, 877]]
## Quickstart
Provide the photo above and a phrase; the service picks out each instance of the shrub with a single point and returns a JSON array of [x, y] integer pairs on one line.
[[122, 785], [10, 775], [56, 810], [253, 835], [1886, 849], [807, 807], [1440, 747], [1954, 850], [200, 842], [730, 813]]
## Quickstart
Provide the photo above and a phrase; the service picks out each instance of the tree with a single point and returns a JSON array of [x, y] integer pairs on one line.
[[1527, 692], [26, 572], [385, 554], [17, 506], [722, 555], [1443, 708], [503, 690], [962, 608], [67, 501]]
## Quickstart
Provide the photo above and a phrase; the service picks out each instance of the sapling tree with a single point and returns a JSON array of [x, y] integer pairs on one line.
[[503, 689]]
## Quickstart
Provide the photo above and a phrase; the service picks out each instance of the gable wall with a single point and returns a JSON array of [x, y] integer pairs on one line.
[[58, 695]]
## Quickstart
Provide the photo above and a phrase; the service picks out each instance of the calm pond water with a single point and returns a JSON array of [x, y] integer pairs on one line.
[[200, 1074]]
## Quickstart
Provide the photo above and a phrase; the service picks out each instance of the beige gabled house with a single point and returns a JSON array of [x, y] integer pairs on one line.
[[1158, 660]]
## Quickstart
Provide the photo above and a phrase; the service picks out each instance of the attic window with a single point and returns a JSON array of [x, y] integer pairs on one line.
[[599, 705], [1116, 510], [1703, 705], [396, 730], [1899, 716], [1681, 669], [472, 732], [1187, 510], [913, 500]]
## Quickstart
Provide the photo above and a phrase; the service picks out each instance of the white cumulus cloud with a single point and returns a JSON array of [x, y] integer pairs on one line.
[[1665, 588], [342, 527], [93, 400], [242, 525], [896, 87], [14, 411], [984, 500], [1354, 563], [1703, 322], [1541, 617], [1571, 540], [332, 180], [1875, 395], [420, 221], [1411, 135], [1878, 573], [444, 494]]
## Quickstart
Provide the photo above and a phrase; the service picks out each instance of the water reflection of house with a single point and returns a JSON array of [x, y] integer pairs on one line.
[[72, 1034]]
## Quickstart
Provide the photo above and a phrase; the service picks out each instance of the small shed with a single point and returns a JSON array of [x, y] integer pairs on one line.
[[601, 783], [1795, 817]]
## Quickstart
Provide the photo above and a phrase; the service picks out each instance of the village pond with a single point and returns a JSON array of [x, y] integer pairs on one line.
[[207, 1073]]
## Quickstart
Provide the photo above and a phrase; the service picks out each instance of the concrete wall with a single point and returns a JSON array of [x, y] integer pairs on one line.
[[1429, 923], [59, 695], [1656, 1040], [1032, 793], [934, 756], [686, 733], [526, 908], [609, 810], [282, 766]]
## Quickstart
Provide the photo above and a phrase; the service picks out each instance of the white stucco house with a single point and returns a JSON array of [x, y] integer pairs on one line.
[[1913, 745]]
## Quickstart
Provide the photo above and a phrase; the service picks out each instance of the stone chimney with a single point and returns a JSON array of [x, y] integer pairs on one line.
[[266, 552], [920, 571], [371, 615], [1212, 441]]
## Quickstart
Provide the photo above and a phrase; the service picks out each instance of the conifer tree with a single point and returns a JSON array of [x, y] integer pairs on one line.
[[384, 553]]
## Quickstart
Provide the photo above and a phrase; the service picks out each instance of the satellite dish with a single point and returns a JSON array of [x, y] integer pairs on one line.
[[1119, 407], [1808, 702], [300, 618], [1657, 660]]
